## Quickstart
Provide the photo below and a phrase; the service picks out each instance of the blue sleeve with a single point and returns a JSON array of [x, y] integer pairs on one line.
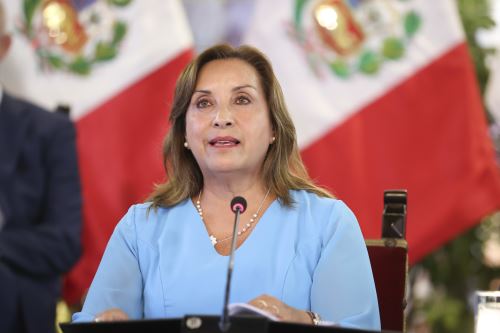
[[343, 290], [118, 281]]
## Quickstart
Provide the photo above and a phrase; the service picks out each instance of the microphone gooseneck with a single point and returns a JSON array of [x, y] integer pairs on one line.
[[238, 206]]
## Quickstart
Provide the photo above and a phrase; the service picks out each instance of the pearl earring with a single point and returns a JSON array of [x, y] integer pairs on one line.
[[273, 139], [186, 145]]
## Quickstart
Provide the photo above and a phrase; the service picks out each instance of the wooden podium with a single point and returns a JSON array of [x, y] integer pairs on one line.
[[204, 324]]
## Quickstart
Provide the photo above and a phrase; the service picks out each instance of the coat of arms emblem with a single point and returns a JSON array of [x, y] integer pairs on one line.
[[73, 35], [353, 36]]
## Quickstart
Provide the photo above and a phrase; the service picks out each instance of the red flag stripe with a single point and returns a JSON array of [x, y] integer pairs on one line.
[[428, 135]]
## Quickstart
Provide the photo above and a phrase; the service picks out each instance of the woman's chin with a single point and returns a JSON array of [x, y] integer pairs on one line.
[[226, 167]]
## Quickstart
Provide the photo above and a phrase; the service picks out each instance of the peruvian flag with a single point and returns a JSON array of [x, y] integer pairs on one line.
[[115, 63], [384, 96]]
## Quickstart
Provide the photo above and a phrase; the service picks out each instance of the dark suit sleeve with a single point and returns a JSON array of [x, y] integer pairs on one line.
[[50, 245]]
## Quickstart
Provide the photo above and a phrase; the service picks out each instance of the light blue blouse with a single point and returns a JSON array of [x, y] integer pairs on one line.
[[163, 265]]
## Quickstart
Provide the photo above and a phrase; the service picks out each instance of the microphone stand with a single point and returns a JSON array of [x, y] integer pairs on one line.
[[224, 323]]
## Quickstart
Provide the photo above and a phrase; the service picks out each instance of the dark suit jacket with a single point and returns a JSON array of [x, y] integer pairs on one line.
[[41, 203]]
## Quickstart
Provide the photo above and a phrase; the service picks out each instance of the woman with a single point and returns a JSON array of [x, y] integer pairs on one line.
[[300, 253]]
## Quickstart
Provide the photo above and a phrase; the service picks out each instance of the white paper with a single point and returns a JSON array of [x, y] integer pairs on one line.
[[244, 309]]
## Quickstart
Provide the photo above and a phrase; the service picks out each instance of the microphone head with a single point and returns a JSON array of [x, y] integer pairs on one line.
[[238, 203]]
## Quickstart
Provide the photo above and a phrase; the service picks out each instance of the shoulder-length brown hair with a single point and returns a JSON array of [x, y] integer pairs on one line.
[[282, 169]]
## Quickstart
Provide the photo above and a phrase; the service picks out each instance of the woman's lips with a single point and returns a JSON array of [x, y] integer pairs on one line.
[[224, 141]]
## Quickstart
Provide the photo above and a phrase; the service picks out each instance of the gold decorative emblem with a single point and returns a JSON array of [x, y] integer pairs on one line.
[[353, 36], [73, 36], [337, 26], [60, 20]]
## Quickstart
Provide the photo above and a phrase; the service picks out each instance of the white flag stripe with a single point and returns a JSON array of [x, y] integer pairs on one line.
[[318, 105], [146, 47], [492, 94]]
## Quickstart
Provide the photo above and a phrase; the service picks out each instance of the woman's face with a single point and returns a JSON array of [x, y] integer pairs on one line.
[[228, 126]]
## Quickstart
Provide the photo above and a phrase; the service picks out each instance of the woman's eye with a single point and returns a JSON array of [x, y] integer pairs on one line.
[[242, 100], [203, 103]]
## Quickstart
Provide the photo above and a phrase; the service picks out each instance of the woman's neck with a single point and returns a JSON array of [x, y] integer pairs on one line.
[[220, 190], [227, 186]]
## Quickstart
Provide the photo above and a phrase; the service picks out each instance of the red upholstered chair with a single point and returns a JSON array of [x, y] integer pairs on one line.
[[389, 260]]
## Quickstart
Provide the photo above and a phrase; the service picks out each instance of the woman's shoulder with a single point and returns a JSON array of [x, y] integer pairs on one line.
[[308, 200], [143, 214], [325, 213], [145, 223]]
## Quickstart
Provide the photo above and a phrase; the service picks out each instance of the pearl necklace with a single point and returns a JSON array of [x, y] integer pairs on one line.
[[247, 226]]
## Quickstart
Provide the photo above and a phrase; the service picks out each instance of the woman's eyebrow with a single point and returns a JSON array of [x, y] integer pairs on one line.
[[202, 91], [244, 86]]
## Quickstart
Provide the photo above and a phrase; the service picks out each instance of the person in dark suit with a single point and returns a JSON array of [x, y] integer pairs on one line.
[[40, 209]]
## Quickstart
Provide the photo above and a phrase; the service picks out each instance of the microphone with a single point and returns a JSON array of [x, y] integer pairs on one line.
[[238, 203], [238, 206]]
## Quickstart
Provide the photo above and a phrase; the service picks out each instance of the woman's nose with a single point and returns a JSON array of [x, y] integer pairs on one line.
[[223, 118]]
